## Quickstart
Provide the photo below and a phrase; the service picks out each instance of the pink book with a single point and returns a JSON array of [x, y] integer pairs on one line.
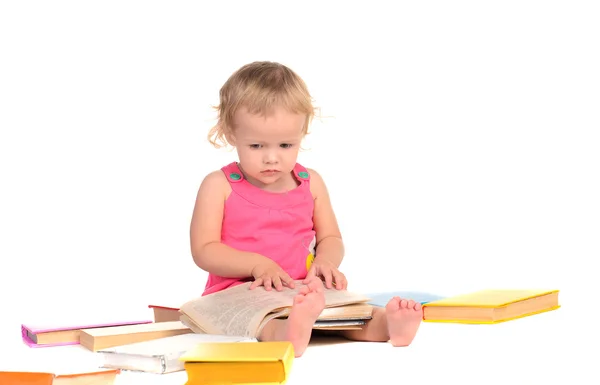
[[165, 313], [64, 334], [168, 307]]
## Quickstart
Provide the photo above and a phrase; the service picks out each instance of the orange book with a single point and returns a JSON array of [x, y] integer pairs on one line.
[[26, 378], [100, 377]]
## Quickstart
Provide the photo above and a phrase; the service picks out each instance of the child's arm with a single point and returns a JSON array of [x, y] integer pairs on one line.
[[205, 232], [205, 235], [330, 247]]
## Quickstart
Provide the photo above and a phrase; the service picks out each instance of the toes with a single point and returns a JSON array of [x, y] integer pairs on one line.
[[316, 285], [304, 290], [396, 304], [299, 299], [316, 299], [393, 304]]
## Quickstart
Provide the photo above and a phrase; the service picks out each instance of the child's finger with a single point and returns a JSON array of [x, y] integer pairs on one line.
[[257, 282], [308, 279], [310, 275], [340, 280], [267, 283], [328, 279], [288, 281], [304, 290], [316, 285], [277, 283]]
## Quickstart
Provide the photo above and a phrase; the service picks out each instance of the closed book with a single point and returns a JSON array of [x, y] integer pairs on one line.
[[165, 313], [160, 355], [66, 333], [29, 378], [102, 338], [490, 306], [98, 377], [235, 363]]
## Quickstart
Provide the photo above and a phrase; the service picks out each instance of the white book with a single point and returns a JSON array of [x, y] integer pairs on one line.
[[159, 355]]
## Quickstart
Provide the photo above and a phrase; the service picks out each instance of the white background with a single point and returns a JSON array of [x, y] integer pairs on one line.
[[459, 143]]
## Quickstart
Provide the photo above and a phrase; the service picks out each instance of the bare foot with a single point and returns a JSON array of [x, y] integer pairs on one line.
[[403, 320], [307, 307]]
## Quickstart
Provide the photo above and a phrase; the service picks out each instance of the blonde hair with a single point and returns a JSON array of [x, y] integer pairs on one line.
[[260, 86]]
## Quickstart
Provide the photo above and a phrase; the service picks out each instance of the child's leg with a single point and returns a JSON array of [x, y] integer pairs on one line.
[[398, 323], [297, 328]]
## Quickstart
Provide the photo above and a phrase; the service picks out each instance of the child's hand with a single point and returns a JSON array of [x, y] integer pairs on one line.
[[330, 273], [268, 274]]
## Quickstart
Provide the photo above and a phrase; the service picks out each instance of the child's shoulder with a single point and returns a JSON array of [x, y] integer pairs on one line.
[[317, 184], [215, 177], [216, 181], [313, 173]]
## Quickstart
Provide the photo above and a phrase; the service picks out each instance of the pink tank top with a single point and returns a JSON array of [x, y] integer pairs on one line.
[[276, 225]]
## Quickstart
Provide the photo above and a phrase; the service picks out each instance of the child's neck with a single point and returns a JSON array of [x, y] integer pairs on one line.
[[283, 185]]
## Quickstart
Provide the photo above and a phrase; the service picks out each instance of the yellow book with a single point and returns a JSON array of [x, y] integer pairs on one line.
[[239, 363], [490, 306]]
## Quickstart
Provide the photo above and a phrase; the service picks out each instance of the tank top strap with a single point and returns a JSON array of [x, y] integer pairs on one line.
[[232, 172], [302, 174], [235, 177], [273, 200]]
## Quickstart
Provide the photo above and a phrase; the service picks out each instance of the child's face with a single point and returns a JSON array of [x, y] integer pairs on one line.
[[268, 146]]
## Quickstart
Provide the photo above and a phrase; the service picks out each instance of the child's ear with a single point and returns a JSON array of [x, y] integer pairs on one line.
[[229, 135], [230, 139]]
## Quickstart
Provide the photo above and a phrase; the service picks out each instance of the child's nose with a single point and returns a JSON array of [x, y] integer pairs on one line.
[[270, 157]]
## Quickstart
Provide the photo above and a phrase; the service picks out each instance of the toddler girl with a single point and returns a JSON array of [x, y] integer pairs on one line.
[[267, 219]]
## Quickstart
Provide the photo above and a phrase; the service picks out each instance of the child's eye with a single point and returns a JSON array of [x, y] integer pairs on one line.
[[285, 145], [255, 146]]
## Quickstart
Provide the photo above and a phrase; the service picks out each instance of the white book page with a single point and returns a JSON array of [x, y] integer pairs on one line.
[[241, 311]]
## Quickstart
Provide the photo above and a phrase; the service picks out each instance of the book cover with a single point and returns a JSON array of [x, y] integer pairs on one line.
[[226, 363], [26, 378], [490, 306], [165, 313], [167, 307], [490, 298], [101, 376]]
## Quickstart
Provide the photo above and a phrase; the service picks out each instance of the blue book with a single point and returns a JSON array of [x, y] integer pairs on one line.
[[382, 298]]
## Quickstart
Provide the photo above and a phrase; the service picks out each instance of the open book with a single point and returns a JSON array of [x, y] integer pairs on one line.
[[239, 311]]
